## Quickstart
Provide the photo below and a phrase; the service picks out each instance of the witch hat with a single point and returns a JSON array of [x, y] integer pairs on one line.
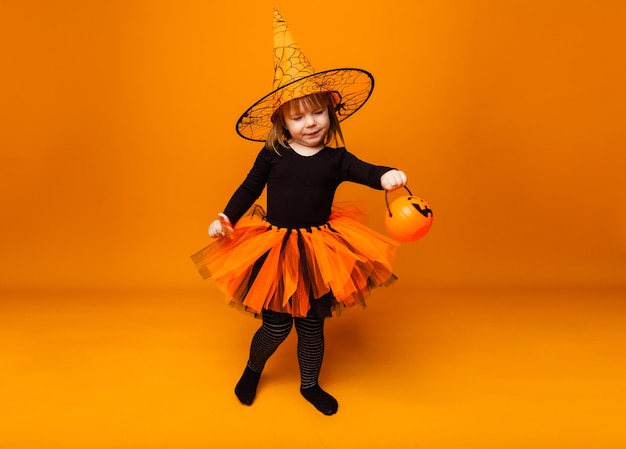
[[294, 77]]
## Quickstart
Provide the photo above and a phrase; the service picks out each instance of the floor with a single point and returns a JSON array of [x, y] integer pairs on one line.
[[445, 368]]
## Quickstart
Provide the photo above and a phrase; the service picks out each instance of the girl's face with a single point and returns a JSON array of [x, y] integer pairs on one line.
[[307, 125]]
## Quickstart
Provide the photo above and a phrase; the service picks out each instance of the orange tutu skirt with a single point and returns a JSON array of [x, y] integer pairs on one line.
[[313, 271]]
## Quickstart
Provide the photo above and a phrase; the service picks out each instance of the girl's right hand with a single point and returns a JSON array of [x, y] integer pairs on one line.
[[216, 230], [221, 227]]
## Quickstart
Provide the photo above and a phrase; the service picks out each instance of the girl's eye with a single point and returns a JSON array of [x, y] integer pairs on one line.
[[319, 112]]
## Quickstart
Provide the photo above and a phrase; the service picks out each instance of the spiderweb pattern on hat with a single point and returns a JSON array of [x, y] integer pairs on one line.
[[294, 77]]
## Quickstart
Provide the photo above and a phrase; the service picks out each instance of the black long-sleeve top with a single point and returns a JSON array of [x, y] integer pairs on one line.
[[300, 189]]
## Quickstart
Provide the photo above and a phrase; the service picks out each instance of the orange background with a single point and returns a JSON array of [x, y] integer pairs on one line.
[[118, 146], [118, 142]]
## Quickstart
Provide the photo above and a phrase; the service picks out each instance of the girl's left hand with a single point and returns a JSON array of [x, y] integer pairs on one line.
[[393, 179]]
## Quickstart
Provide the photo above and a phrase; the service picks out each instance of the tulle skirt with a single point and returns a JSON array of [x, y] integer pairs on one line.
[[312, 271]]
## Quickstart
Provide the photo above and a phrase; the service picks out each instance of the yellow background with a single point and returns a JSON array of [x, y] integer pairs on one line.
[[118, 148]]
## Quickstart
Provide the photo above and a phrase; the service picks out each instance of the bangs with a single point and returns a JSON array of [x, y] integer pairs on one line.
[[308, 103]]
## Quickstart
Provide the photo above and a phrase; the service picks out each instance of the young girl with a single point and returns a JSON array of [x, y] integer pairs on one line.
[[305, 259]]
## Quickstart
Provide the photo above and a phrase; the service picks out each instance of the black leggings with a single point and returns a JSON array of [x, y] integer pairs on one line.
[[275, 329]]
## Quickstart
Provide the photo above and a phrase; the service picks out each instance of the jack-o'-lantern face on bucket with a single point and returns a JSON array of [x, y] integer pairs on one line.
[[408, 218]]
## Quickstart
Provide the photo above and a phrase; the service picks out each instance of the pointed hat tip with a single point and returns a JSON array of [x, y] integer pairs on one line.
[[277, 16]]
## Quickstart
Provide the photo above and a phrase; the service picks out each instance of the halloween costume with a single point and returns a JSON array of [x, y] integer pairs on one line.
[[306, 258]]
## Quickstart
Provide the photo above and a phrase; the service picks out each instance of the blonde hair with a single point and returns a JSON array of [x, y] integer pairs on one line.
[[279, 135]]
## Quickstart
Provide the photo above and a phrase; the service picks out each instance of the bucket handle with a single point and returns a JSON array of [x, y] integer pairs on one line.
[[387, 200]]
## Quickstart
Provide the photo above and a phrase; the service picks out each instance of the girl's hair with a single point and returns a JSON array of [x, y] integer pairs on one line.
[[278, 135]]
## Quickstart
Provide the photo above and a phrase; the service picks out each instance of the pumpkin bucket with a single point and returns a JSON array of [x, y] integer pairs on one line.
[[408, 218]]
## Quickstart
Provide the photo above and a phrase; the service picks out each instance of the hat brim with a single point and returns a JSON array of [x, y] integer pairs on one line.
[[353, 86]]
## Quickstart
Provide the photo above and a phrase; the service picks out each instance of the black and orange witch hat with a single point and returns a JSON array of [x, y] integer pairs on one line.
[[294, 77]]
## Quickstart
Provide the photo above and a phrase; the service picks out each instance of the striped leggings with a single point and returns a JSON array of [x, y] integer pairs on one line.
[[275, 329]]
